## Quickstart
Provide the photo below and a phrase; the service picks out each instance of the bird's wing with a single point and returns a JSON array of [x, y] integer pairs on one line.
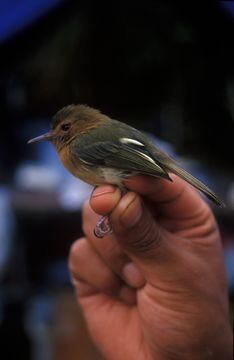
[[125, 153]]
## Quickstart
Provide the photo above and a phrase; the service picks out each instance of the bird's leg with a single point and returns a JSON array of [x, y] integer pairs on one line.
[[103, 227]]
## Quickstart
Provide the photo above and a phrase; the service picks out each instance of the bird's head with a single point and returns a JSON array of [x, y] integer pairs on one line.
[[70, 122]]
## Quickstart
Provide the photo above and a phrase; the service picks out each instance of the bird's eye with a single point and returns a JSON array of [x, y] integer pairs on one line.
[[66, 126]]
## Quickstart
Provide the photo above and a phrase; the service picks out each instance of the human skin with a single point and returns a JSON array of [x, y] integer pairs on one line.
[[156, 287]]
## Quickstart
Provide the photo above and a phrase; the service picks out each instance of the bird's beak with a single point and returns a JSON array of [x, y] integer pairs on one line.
[[45, 137]]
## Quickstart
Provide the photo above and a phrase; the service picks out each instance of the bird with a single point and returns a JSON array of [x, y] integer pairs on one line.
[[101, 150]]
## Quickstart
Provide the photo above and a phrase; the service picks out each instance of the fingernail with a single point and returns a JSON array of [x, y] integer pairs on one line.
[[99, 191], [132, 275], [132, 212]]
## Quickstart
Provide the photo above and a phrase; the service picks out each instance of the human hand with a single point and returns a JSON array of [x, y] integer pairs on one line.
[[156, 287]]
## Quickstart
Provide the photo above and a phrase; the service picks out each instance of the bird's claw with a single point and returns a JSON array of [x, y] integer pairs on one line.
[[103, 227]]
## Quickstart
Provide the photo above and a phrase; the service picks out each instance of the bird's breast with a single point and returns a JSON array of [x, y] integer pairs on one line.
[[91, 174]]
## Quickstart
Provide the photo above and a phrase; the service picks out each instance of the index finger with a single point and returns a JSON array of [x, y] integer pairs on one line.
[[174, 199]]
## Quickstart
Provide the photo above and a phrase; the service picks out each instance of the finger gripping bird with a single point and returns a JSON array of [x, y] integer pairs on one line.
[[100, 150]]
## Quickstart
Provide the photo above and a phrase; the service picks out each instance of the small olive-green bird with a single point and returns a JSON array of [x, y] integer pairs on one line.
[[100, 150]]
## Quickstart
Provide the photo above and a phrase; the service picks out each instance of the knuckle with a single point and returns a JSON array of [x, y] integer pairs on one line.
[[145, 237], [75, 254]]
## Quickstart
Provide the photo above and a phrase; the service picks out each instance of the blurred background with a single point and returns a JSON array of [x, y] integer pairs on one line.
[[164, 67]]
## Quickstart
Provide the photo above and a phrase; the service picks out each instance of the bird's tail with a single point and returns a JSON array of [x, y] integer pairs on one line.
[[176, 169]]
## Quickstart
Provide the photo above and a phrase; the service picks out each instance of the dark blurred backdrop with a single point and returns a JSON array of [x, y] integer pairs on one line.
[[164, 67]]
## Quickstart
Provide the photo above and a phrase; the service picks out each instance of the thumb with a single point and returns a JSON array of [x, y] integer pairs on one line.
[[137, 231]]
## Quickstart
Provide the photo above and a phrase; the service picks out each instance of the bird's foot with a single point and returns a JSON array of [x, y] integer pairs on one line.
[[103, 227]]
